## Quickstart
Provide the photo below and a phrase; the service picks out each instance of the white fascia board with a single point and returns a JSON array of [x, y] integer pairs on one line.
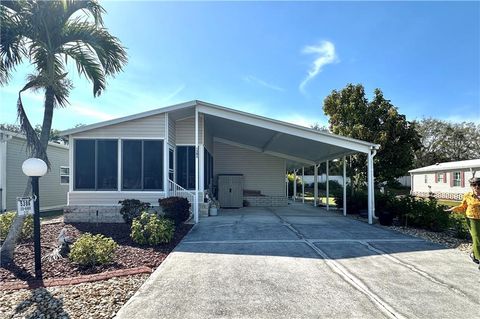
[[128, 118], [259, 150], [287, 128], [334, 156]]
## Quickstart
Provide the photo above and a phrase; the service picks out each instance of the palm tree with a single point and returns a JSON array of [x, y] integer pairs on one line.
[[48, 33]]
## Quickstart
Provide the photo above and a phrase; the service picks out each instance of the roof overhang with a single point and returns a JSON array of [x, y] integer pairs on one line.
[[300, 146]]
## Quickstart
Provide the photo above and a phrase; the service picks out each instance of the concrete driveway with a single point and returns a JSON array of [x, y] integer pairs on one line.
[[304, 262]]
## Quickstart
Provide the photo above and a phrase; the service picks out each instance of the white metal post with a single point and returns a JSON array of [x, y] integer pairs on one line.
[[303, 184], [286, 184], [165, 158], [328, 187], [195, 205], [373, 184], [294, 185], [370, 188], [315, 184], [344, 186]]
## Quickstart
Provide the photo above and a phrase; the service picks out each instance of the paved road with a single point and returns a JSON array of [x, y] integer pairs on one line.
[[303, 262]]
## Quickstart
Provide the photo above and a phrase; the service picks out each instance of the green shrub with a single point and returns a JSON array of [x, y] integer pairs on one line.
[[459, 224], [175, 208], [148, 229], [6, 220], [355, 202], [90, 250], [421, 213], [132, 208]]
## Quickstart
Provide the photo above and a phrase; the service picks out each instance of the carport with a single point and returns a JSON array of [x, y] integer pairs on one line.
[[299, 146]]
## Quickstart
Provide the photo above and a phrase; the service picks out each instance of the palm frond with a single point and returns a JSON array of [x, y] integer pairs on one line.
[[88, 65], [12, 48], [34, 146], [103, 47], [90, 7]]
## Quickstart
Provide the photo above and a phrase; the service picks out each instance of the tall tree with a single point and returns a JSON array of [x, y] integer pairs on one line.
[[378, 121], [47, 33], [443, 141]]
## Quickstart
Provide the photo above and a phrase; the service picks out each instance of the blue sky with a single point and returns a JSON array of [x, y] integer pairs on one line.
[[280, 59]]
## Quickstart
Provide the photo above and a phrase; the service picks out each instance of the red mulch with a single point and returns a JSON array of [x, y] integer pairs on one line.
[[127, 255]]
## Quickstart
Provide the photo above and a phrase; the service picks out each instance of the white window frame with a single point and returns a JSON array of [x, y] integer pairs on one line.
[[65, 175], [440, 178], [457, 181]]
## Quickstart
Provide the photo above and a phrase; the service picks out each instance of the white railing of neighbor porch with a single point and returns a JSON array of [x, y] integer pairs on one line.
[[178, 191]]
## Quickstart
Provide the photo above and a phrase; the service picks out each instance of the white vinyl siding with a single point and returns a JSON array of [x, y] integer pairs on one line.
[[185, 131], [419, 184], [151, 126], [52, 193], [208, 139], [171, 131], [112, 198], [261, 172]]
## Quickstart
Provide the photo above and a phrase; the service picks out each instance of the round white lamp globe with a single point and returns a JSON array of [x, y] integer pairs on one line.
[[34, 167]]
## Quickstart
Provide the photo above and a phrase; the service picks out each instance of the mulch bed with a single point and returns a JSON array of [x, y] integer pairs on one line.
[[127, 255]]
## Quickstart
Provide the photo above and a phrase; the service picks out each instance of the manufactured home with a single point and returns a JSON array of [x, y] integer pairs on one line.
[[53, 186], [188, 150], [444, 180]]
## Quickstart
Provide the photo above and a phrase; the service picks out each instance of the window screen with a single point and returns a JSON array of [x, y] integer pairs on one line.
[[153, 165], [85, 164], [107, 164], [132, 164]]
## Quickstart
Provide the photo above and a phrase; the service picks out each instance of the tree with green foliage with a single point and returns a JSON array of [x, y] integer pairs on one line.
[[376, 121], [47, 34], [443, 141]]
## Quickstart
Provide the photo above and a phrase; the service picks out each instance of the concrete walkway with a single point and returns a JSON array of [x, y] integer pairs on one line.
[[304, 262]]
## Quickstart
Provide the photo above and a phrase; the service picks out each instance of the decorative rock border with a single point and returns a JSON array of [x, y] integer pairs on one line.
[[74, 280]]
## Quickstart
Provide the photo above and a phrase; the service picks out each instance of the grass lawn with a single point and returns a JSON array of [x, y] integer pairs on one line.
[[447, 202], [51, 214], [323, 200]]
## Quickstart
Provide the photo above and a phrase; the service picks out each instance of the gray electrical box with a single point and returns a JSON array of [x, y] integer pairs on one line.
[[230, 191]]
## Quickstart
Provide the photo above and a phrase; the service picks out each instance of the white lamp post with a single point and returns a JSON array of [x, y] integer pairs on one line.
[[35, 168]]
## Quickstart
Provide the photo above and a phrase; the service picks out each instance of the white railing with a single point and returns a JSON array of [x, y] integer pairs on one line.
[[178, 191]]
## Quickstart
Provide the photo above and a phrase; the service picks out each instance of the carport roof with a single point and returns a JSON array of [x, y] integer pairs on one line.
[[301, 146]]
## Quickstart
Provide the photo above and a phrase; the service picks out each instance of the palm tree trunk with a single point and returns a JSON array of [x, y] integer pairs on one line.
[[8, 246]]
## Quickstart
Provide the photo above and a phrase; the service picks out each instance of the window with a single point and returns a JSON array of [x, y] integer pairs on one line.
[[64, 175], [426, 179], [96, 164], [457, 179], [142, 165], [186, 166], [440, 177]]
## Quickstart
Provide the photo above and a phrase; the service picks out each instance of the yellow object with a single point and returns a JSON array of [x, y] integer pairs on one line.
[[470, 206]]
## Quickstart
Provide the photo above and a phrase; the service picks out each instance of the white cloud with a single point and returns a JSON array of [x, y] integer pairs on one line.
[[324, 54], [81, 109], [254, 80]]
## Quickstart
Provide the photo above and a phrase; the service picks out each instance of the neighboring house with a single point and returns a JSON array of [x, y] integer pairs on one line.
[[53, 186], [183, 149], [444, 180]]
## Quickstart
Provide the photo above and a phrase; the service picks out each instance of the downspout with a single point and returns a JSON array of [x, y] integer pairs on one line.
[[374, 152]]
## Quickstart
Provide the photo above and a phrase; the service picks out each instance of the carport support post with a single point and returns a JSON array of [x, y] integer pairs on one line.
[[195, 205], [370, 188], [315, 184], [303, 184], [344, 186], [327, 187], [294, 185]]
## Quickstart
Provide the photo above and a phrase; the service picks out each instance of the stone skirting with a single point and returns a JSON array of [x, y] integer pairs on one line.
[[440, 195], [92, 214], [266, 201]]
